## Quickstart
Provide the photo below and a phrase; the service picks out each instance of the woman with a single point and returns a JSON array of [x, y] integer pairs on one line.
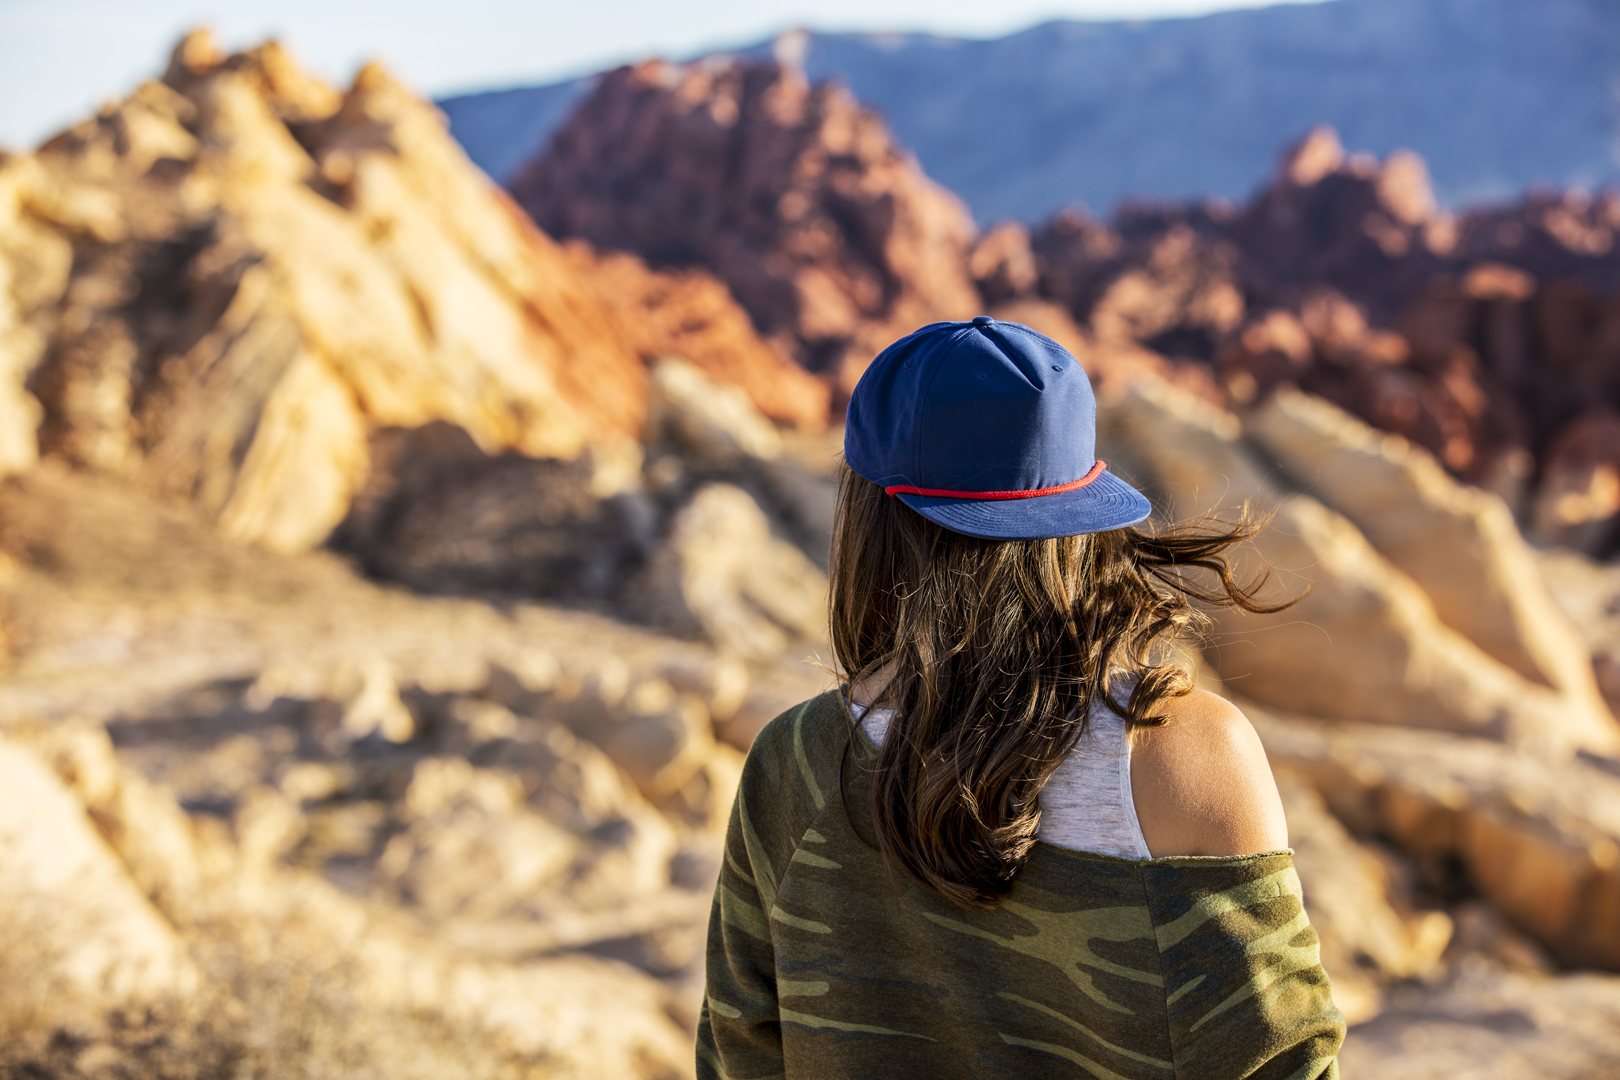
[[1016, 842]]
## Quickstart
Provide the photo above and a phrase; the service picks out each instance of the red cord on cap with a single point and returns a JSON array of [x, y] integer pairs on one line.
[[1001, 496]]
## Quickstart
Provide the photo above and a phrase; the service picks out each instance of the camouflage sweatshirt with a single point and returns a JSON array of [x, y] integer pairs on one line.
[[822, 964]]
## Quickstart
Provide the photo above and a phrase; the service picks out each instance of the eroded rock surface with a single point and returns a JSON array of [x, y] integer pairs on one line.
[[265, 271], [1460, 544], [794, 195], [1366, 642], [367, 817], [1541, 842]]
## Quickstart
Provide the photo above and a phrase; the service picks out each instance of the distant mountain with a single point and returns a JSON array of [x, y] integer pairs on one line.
[[1497, 95], [502, 129]]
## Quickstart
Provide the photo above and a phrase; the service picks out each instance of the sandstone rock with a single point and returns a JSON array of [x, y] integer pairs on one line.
[[1552, 235], [1178, 297], [720, 682], [1073, 254], [774, 692], [690, 314], [794, 196], [1367, 236], [1112, 364], [271, 271], [151, 836], [703, 804], [660, 738], [298, 977], [1366, 643], [722, 575], [1436, 397], [440, 515], [1003, 264], [1459, 544], [470, 851], [1053, 320], [521, 680], [295, 295], [79, 929], [1579, 495], [1370, 936], [1588, 592], [1492, 1026], [35, 261], [1272, 349], [1318, 155], [425, 956], [374, 704], [701, 431], [1170, 289], [1346, 222], [1484, 936], [709, 423], [324, 978], [1476, 336], [1540, 841]]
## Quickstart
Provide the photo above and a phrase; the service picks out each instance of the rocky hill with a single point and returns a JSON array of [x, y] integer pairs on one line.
[[221, 287], [1486, 337], [1489, 337], [1497, 95], [795, 195], [389, 590]]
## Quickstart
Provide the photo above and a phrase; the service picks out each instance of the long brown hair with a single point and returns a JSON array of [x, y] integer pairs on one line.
[[996, 652]]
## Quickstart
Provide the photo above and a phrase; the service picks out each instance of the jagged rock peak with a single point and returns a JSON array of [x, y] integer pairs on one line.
[[197, 53], [1404, 189], [1400, 182], [794, 194], [1317, 155], [264, 271], [790, 46]]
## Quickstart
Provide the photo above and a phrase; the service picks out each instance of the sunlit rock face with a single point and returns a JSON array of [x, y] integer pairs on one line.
[[794, 195], [264, 271], [1453, 631]]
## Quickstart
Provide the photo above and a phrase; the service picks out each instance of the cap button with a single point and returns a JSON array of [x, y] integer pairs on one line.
[[982, 320]]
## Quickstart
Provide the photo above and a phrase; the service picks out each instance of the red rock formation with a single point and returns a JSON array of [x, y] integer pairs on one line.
[[795, 196], [1154, 279], [265, 270], [1479, 337], [1551, 235], [1578, 500], [689, 313], [1002, 263], [1369, 229]]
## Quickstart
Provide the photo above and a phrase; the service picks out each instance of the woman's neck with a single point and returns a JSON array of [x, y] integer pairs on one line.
[[870, 690]]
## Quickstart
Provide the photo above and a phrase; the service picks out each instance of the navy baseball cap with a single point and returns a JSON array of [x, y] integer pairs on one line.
[[989, 429]]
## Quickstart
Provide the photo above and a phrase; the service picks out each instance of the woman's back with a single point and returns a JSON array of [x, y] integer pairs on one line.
[[1089, 804], [826, 964], [1199, 784]]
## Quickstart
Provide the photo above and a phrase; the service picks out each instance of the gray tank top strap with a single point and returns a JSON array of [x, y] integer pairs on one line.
[[1088, 804]]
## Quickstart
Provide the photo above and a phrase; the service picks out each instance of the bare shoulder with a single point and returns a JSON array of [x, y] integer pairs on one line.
[[1201, 782]]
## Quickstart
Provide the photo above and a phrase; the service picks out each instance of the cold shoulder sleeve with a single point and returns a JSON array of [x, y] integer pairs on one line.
[[1245, 993]]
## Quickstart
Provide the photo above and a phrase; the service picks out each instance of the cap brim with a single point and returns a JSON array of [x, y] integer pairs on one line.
[[1106, 503]]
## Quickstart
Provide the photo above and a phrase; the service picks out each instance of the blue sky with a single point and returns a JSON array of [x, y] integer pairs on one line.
[[60, 58]]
